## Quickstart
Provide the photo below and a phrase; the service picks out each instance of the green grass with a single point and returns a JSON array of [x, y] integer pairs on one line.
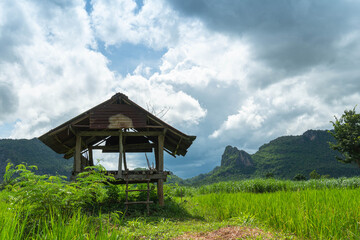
[[264, 186], [43, 207], [163, 223], [309, 214]]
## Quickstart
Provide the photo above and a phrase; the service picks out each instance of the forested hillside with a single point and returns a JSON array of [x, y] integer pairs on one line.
[[281, 158], [33, 152]]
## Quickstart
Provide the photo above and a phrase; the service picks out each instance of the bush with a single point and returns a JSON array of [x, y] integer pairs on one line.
[[40, 195], [299, 177], [314, 175]]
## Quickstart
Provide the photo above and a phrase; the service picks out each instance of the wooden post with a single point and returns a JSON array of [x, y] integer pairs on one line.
[[84, 163], [77, 155], [160, 168], [125, 165], [156, 153], [74, 170], [121, 149], [91, 159], [124, 152]]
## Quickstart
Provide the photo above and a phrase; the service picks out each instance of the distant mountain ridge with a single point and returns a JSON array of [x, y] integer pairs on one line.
[[33, 152], [283, 158]]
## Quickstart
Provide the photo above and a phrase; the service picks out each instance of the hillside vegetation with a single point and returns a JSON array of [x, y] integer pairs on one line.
[[281, 158], [33, 152]]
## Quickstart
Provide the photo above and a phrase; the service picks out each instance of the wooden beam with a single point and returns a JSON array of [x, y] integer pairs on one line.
[[160, 168], [80, 126], [77, 156], [116, 133], [74, 168], [177, 146], [120, 153], [125, 165], [143, 133], [152, 126], [87, 142], [126, 146], [138, 146], [160, 191], [91, 159], [72, 130], [169, 152], [62, 128], [61, 143], [84, 163], [156, 153], [99, 133], [106, 147]]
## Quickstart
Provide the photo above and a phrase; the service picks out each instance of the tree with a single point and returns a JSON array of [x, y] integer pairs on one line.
[[299, 177], [269, 175], [347, 135], [314, 175]]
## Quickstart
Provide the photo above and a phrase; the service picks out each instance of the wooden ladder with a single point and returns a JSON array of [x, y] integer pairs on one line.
[[127, 190]]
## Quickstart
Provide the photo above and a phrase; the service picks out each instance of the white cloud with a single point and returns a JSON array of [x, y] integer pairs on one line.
[[183, 110], [243, 79], [248, 117], [55, 70], [289, 107], [114, 21], [202, 56], [267, 99]]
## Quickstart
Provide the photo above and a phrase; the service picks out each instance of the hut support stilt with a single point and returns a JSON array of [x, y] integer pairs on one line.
[[77, 156], [121, 150], [160, 167]]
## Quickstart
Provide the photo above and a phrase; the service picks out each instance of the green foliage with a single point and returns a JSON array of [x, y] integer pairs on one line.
[[299, 177], [264, 186], [42, 194], [313, 209], [314, 175], [283, 157], [290, 155], [309, 214], [269, 175], [33, 152], [347, 135]]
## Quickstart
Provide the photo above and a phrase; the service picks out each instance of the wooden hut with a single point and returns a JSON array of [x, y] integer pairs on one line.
[[119, 125]]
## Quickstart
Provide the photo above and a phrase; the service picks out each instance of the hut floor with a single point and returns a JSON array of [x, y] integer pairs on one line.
[[136, 176]]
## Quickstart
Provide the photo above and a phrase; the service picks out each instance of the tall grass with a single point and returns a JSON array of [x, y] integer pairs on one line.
[[14, 225], [10, 224], [310, 214], [264, 186], [44, 207], [47, 207]]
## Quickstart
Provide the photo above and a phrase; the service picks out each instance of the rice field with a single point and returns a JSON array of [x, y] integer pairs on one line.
[[266, 186], [308, 214], [43, 207]]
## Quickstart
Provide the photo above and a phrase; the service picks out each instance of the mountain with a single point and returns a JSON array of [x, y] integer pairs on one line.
[[287, 156], [282, 158], [33, 152], [235, 164]]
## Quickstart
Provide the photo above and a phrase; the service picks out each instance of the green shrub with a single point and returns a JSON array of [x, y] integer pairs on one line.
[[42, 194], [299, 177]]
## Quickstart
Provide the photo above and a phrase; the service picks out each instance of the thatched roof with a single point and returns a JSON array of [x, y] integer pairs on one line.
[[116, 113]]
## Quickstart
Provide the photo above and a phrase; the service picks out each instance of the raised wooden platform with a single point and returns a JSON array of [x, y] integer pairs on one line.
[[142, 176]]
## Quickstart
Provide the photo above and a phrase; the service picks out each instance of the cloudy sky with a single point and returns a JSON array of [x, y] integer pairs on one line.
[[238, 72]]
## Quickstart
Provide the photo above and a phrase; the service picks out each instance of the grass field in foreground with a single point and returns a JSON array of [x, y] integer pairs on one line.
[[16, 226], [47, 207]]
